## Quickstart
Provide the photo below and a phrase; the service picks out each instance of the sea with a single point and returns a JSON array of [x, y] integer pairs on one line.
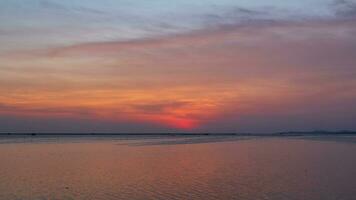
[[178, 167]]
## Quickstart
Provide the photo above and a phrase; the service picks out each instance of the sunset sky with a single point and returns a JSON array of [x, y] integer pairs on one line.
[[177, 65]]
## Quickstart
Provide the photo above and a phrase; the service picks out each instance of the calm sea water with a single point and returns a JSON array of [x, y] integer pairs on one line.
[[178, 168]]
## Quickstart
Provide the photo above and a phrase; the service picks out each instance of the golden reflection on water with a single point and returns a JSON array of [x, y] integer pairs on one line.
[[111, 169]]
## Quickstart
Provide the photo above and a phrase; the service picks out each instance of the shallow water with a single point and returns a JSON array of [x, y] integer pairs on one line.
[[107, 168]]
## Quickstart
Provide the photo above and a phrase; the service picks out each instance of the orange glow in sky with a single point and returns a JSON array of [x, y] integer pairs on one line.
[[231, 78]]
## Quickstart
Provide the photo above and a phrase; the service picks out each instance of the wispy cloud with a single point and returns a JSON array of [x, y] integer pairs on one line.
[[344, 8], [52, 5], [231, 66]]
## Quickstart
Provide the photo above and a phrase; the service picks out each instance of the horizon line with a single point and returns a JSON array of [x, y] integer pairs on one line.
[[316, 132]]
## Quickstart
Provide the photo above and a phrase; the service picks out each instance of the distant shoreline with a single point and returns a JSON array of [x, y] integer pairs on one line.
[[291, 133]]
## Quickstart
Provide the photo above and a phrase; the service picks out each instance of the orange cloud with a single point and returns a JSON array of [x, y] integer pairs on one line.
[[184, 81]]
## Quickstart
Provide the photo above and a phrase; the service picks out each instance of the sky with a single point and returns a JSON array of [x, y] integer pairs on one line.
[[138, 66]]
